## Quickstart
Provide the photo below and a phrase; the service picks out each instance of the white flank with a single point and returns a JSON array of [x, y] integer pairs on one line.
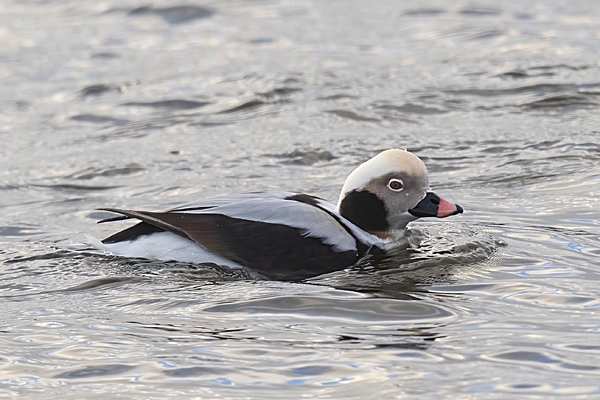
[[165, 246]]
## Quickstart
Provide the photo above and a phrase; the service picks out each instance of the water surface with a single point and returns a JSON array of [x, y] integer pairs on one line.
[[149, 105]]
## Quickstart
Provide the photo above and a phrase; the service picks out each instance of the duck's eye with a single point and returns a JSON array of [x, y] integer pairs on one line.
[[396, 185]]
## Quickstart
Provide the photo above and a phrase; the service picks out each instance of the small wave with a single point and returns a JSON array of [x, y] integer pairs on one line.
[[479, 11], [424, 12], [95, 371], [351, 115], [279, 92], [539, 71], [339, 96], [564, 101], [105, 55], [101, 88], [433, 255], [542, 359], [98, 119], [249, 105], [18, 231], [91, 173], [174, 15], [299, 157], [280, 95], [350, 310], [71, 187], [175, 104], [412, 108], [472, 33], [536, 89], [98, 283], [96, 90]]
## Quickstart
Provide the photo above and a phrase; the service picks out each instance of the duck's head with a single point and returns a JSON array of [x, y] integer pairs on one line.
[[390, 190]]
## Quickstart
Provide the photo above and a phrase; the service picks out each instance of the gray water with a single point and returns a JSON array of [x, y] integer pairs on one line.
[[149, 105]]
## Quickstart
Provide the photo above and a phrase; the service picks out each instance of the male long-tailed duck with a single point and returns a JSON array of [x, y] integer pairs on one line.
[[289, 235]]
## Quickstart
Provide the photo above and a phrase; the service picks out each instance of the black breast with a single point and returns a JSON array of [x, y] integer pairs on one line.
[[278, 251], [365, 210]]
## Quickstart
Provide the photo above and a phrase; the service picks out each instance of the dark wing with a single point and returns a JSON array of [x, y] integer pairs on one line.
[[252, 233]]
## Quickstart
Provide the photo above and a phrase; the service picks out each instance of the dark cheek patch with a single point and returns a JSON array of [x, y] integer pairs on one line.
[[365, 210]]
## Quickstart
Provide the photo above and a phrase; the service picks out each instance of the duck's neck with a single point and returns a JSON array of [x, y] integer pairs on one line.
[[365, 210], [390, 235]]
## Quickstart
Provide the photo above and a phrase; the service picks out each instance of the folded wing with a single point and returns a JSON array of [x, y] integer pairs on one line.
[[282, 236]]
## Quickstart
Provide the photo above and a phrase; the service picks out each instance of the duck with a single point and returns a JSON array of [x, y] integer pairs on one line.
[[288, 235]]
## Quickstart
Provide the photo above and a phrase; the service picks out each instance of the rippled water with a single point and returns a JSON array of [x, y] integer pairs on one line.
[[149, 105]]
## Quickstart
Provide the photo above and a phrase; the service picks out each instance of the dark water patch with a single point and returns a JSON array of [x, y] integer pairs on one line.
[[412, 108], [171, 271], [174, 15], [139, 128], [424, 12], [541, 360], [560, 66], [472, 33], [275, 96], [190, 372], [196, 334], [540, 71], [566, 233], [445, 167], [310, 370], [95, 371], [75, 188], [22, 104], [96, 90], [544, 88], [170, 104], [105, 55], [486, 34], [17, 231], [38, 257], [338, 97], [209, 123], [380, 309], [479, 11], [564, 101], [583, 348], [299, 157], [539, 390], [247, 106], [351, 115], [422, 150], [520, 74], [91, 173], [15, 287], [279, 92], [98, 119], [101, 88], [292, 81], [521, 179], [546, 145], [259, 41], [98, 283], [514, 74], [523, 16], [499, 150]]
